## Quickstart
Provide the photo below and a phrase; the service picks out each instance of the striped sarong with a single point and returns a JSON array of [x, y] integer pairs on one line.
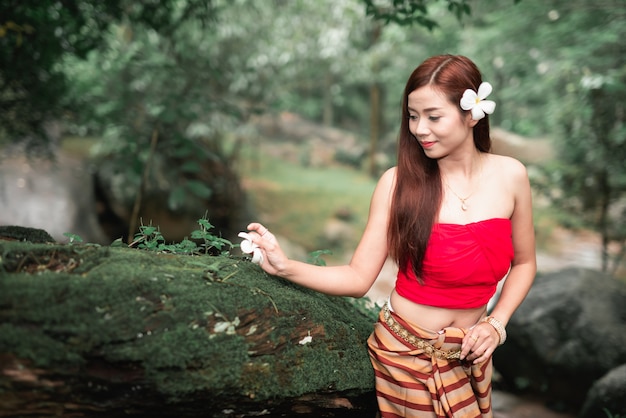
[[418, 373]]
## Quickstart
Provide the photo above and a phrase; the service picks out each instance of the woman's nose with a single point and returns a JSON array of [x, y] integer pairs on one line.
[[421, 128]]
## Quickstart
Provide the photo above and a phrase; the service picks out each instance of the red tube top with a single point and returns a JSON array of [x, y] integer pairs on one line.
[[462, 265]]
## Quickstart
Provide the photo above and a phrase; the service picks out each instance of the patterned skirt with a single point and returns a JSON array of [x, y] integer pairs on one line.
[[419, 374]]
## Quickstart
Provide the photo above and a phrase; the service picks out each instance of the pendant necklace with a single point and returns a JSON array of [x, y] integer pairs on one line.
[[462, 199]]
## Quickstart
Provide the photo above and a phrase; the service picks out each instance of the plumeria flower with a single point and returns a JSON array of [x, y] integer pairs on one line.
[[476, 101], [249, 247]]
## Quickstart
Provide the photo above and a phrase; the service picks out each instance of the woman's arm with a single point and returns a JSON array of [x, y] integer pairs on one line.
[[353, 279], [524, 265], [521, 275]]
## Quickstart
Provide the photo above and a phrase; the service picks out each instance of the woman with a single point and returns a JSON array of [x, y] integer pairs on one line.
[[456, 220]]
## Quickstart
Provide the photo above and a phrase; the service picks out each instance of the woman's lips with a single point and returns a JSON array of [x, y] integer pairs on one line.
[[426, 145]]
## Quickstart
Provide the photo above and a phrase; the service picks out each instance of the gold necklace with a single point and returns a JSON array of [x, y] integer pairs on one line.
[[464, 206]]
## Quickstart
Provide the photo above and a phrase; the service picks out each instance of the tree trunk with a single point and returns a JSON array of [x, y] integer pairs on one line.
[[605, 202], [328, 110], [374, 127], [374, 108]]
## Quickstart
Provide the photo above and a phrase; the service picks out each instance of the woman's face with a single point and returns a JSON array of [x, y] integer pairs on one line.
[[438, 125]]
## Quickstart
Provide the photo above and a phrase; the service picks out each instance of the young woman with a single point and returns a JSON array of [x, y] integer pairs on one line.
[[457, 220]]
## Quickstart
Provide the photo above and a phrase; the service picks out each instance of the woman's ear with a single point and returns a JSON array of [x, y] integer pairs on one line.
[[468, 117]]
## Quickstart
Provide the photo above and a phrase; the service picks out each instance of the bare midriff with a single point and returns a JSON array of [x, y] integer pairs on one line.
[[433, 318]]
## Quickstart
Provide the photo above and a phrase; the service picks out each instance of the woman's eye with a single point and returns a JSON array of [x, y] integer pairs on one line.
[[413, 117], [434, 118]]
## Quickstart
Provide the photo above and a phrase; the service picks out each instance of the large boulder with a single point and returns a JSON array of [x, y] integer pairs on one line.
[[607, 395], [108, 331], [54, 194], [568, 333]]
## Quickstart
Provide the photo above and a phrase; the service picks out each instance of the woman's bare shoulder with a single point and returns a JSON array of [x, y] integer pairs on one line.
[[388, 178], [505, 165], [390, 172]]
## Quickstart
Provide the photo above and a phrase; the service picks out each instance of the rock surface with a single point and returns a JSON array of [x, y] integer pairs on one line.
[[52, 194], [103, 331], [568, 333], [607, 394]]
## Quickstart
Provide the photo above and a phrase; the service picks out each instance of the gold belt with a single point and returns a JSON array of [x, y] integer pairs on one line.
[[415, 341]]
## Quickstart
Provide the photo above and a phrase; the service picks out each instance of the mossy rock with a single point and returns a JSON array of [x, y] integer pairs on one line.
[[22, 233], [118, 329]]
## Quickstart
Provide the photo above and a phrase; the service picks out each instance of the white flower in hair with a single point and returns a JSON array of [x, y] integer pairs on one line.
[[476, 102], [249, 247]]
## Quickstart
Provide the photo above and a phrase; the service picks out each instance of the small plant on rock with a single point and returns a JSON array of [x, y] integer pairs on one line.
[[150, 238], [209, 240]]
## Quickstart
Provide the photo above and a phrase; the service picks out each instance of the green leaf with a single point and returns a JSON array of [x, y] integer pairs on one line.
[[199, 189], [73, 237], [315, 257], [177, 197], [190, 167]]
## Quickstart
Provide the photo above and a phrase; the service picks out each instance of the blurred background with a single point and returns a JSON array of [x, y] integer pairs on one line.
[[124, 113]]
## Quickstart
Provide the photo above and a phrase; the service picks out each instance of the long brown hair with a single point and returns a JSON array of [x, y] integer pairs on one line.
[[418, 191]]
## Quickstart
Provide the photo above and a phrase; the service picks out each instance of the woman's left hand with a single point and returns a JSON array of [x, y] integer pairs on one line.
[[479, 343]]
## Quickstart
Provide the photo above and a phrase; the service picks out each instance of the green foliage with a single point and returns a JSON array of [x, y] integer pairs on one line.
[[160, 107], [609, 414], [596, 141], [232, 61], [35, 36], [209, 241], [73, 238], [315, 257], [409, 12], [150, 238], [12, 29]]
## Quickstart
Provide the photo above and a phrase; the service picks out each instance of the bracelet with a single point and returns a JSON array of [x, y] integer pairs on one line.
[[494, 322]]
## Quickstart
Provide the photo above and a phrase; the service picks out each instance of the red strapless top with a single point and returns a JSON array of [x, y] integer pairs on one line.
[[462, 265]]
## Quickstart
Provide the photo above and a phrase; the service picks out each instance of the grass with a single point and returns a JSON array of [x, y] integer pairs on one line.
[[78, 146]]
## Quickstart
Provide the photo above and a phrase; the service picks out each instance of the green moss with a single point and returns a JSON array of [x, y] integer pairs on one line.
[[21, 233], [189, 323], [32, 344]]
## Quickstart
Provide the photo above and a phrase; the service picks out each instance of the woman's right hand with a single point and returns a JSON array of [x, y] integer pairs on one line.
[[274, 259]]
